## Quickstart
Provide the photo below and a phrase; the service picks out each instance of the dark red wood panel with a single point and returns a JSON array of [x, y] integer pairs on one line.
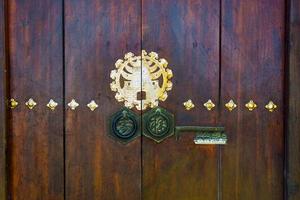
[[36, 66], [97, 34], [293, 114], [252, 63], [3, 98], [186, 34]]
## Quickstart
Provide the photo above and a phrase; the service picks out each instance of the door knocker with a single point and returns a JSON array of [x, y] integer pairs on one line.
[[141, 82]]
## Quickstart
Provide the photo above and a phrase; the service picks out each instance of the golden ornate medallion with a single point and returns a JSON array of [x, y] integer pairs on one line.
[[141, 81]]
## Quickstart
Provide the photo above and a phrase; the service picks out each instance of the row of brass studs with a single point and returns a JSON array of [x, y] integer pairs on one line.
[[209, 105], [52, 104]]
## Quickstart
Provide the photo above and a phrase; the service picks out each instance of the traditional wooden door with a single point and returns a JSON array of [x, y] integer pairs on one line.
[[224, 66]]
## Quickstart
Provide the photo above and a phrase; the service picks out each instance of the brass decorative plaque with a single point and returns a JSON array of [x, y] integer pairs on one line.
[[141, 81]]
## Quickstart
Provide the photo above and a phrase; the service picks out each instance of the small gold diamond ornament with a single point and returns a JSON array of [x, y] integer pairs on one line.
[[13, 103], [230, 105], [146, 74], [209, 105], [271, 106], [251, 105], [73, 104], [92, 105], [189, 104], [30, 103], [52, 104]]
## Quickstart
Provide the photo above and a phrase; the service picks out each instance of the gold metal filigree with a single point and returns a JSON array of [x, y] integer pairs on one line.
[[189, 104], [13, 103], [52, 104], [230, 105], [251, 105], [92, 105], [209, 105], [30, 103], [141, 74], [271, 106], [73, 104]]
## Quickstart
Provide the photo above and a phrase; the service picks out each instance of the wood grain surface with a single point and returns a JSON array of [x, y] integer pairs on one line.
[[252, 62], [97, 34], [293, 114], [3, 97], [186, 34], [35, 139]]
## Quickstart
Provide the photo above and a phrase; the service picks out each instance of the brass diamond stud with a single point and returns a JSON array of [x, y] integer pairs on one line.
[[251, 105], [30, 103], [73, 104], [230, 105], [189, 104], [209, 105], [13, 103], [92, 105], [52, 104], [271, 106]]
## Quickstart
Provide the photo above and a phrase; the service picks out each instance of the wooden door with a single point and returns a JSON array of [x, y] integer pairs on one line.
[[218, 50]]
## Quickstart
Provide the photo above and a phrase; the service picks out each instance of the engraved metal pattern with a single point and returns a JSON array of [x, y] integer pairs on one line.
[[146, 73], [92, 105], [188, 104], [209, 105], [158, 124], [13, 103], [30, 103], [204, 135], [52, 104], [271, 106], [73, 104], [251, 105], [124, 126], [230, 105]]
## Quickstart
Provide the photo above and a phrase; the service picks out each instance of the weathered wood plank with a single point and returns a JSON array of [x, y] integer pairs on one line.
[[97, 34], [293, 114], [252, 60], [3, 99], [186, 34], [35, 139]]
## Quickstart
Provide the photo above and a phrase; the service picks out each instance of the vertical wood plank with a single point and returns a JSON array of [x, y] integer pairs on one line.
[[252, 61], [97, 34], [293, 114], [36, 136], [3, 99], [186, 34]]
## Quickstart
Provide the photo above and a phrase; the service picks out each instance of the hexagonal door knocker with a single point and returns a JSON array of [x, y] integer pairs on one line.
[[158, 124], [124, 126]]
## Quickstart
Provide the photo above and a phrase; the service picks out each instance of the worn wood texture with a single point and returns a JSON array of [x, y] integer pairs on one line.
[[252, 62], [35, 139], [186, 34], [97, 34], [293, 114], [3, 98]]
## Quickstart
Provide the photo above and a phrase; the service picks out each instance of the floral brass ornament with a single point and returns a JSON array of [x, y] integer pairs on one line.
[[52, 104], [251, 105], [188, 104], [271, 106], [144, 73], [13, 103], [73, 104], [30, 103], [92, 105], [209, 105], [230, 105]]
